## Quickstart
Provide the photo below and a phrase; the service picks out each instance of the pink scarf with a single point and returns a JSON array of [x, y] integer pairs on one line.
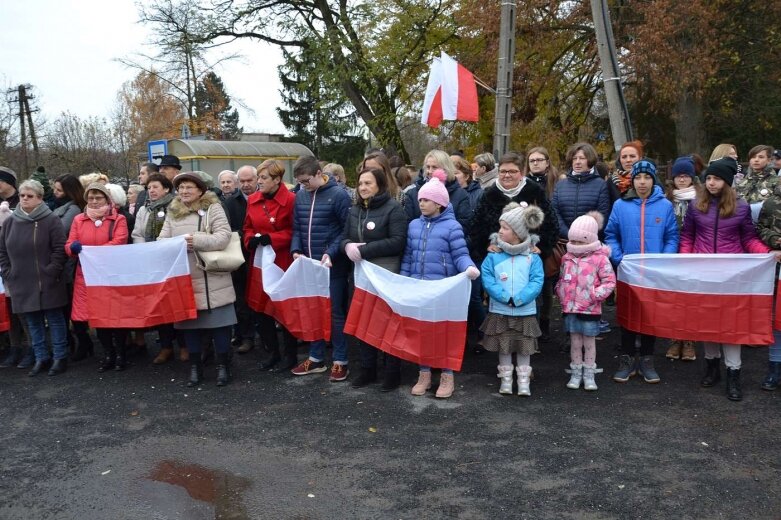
[[97, 213]]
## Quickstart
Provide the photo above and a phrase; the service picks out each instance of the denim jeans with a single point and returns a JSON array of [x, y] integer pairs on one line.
[[36, 324], [221, 337], [338, 289], [476, 310]]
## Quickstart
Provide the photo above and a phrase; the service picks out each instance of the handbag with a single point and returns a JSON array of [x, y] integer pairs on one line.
[[223, 261], [552, 264]]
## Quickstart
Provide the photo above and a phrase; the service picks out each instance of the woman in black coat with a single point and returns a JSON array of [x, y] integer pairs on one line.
[[376, 231], [32, 256]]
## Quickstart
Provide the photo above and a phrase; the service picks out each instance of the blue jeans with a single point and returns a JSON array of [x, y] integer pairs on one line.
[[476, 311], [338, 289], [221, 337], [36, 324]]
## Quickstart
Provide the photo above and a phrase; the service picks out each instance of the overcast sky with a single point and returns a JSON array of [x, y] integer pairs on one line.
[[66, 50]]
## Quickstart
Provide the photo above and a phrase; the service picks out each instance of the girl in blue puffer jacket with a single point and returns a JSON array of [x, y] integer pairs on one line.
[[513, 278], [436, 249]]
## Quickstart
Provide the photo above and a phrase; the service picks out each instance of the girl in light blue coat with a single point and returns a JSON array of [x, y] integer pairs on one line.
[[513, 278]]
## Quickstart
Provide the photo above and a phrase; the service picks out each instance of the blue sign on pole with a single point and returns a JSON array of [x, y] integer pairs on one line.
[[156, 150]]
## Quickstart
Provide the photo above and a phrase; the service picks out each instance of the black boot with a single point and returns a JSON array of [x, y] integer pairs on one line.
[[733, 384], [13, 357], [59, 366], [84, 347], [109, 358], [545, 328], [390, 381], [196, 371], [271, 360], [773, 376], [289, 355], [712, 372], [365, 378], [28, 358], [39, 367], [121, 363], [223, 369]]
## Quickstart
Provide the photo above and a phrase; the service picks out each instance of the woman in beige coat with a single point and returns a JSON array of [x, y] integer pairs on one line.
[[197, 215]]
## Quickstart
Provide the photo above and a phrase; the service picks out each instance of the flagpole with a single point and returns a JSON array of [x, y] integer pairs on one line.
[[504, 78]]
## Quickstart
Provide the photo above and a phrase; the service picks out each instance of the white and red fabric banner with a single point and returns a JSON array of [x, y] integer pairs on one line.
[[138, 285], [5, 313], [299, 298], [451, 93], [718, 298], [421, 321]]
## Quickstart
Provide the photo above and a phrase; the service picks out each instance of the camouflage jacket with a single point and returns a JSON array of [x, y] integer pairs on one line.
[[757, 186], [769, 222]]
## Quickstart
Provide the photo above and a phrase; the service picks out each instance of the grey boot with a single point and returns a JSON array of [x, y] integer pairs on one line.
[[589, 371], [647, 369], [576, 376]]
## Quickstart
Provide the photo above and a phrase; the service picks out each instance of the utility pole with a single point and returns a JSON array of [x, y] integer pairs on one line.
[[504, 78], [23, 98], [620, 125]]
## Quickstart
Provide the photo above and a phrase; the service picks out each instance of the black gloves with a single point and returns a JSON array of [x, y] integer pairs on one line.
[[259, 240]]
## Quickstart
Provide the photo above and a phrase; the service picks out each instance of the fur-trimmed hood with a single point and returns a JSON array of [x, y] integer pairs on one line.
[[178, 209]]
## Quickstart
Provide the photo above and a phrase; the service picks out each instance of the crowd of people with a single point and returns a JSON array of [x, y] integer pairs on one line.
[[520, 229]]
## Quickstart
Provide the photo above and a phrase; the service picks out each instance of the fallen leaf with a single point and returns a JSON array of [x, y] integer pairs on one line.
[[372, 429], [620, 486], [134, 413], [704, 443], [310, 495], [106, 472]]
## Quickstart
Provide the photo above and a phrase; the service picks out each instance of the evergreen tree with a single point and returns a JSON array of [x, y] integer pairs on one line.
[[214, 115]]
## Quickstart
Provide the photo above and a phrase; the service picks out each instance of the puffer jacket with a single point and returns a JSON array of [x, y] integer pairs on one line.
[[475, 192], [519, 277], [586, 280], [211, 232], [32, 256], [318, 224], [459, 199], [577, 195], [382, 226], [436, 248], [711, 233], [490, 208], [642, 226], [113, 232]]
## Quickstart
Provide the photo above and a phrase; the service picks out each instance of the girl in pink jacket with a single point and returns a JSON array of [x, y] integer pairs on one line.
[[586, 280]]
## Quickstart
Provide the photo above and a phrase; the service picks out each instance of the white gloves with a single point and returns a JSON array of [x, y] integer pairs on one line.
[[472, 272]]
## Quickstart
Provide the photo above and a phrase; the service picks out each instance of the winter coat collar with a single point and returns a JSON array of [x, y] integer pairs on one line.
[[374, 202], [37, 214], [656, 194], [448, 214], [179, 210], [583, 177], [473, 186]]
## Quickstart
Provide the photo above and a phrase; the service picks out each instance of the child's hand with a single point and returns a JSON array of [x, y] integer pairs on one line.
[[511, 303], [494, 249], [326, 261], [472, 272]]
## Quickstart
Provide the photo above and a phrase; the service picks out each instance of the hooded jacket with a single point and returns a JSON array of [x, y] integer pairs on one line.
[[32, 256], [436, 247], [459, 199], [382, 226], [711, 233], [518, 276], [642, 226], [577, 195], [586, 280]]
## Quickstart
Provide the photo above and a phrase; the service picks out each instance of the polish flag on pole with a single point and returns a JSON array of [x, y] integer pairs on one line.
[[5, 314], [451, 93], [718, 298], [299, 298], [421, 321], [138, 285]]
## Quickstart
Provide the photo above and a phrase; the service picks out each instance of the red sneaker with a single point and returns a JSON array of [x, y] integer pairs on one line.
[[339, 373], [309, 367]]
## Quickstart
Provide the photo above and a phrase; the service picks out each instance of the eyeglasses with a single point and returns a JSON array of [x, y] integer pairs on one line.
[[26, 196], [535, 161], [303, 181], [509, 172], [95, 199]]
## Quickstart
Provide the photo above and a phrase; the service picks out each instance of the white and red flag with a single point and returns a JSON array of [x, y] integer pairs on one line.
[[451, 93], [421, 321], [5, 314], [299, 298], [718, 298], [138, 285]]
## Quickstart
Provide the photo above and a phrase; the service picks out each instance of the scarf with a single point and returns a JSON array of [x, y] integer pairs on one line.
[[97, 213], [37, 214], [685, 194], [154, 223], [513, 191], [583, 249], [524, 248], [622, 180]]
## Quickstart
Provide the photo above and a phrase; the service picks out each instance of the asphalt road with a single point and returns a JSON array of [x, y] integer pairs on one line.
[[140, 445]]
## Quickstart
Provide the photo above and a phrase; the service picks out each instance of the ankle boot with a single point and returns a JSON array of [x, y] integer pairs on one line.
[[391, 380], [688, 353], [545, 329], [447, 385], [365, 378], [59, 366], [13, 357], [734, 392], [773, 376], [28, 358], [223, 369], [423, 384], [109, 357], [39, 367], [196, 372], [121, 362], [289, 356], [84, 347], [589, 371], [505, 375], [576, 376], [712, 372], [674, 352], [271, 360], [524, 380]]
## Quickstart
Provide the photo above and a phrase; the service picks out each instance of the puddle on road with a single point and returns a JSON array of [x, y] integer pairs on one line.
[[221, 489]]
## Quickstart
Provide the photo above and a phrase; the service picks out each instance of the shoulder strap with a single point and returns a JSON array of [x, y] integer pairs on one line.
[[110, 230]]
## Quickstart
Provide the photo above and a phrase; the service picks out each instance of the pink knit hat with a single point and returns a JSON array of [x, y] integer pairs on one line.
[[586, 227], [434, 191]]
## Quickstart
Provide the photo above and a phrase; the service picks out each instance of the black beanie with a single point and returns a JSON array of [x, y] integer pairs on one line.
[[8, 175], [724, 168]]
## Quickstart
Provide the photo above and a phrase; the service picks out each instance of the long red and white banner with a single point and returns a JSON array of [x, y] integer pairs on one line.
[[138, 285], [299, 298], [421, 321], [5, 313], [717, 298]]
